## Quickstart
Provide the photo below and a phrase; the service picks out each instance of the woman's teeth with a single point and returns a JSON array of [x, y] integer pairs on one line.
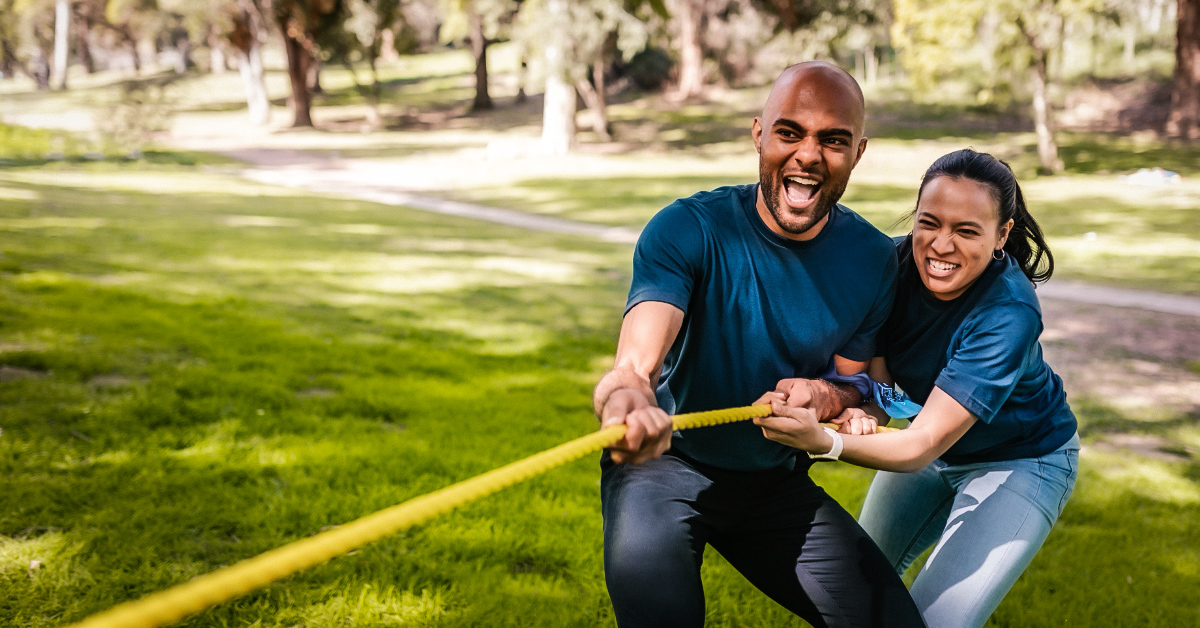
[[942, 266]]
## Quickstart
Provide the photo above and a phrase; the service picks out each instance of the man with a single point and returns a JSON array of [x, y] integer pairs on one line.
[[735, 292]]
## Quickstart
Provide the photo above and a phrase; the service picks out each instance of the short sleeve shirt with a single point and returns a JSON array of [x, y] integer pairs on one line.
[[982, 350], [757, 308]]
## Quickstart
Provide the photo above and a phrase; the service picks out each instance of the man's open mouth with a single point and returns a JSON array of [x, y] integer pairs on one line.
[[800, 190]]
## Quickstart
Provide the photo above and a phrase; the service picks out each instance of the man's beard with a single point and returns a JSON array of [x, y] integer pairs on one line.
[[770, 184]]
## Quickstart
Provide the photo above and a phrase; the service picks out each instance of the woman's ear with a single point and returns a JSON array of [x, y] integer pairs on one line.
[[1002, 237]]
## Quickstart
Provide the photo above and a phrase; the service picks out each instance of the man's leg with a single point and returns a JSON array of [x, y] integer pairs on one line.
[[804, 550], [653, 543], [905, 512]]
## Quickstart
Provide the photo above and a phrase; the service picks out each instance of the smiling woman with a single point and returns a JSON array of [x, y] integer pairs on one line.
[[991, 459]]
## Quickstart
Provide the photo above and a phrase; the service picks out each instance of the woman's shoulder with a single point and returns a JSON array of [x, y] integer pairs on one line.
[[1011, 288], [1010, 306]]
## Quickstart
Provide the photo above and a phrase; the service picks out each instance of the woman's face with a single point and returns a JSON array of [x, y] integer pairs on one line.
[[955, 230]]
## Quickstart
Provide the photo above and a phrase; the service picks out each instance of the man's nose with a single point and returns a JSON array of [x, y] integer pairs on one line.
[[808, 152]]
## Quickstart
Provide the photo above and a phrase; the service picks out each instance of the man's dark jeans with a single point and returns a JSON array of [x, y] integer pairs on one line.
[[778, 528]]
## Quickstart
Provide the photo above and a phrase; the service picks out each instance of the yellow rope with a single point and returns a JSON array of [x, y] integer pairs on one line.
[[227, 583]]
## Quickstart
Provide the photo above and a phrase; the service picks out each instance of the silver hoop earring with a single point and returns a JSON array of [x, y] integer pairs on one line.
[[998, 257]]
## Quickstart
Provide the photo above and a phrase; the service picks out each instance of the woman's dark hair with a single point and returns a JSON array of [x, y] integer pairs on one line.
[[1025, 241]]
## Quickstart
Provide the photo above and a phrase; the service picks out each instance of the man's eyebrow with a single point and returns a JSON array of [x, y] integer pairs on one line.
[[796, 126]]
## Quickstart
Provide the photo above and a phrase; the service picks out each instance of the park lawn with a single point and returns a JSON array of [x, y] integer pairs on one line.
[[192, 378]]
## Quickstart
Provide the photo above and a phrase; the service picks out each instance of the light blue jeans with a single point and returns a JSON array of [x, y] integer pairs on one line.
[[988, 520]]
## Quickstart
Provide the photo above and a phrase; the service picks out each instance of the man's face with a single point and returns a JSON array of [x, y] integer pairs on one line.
[[808, 139]]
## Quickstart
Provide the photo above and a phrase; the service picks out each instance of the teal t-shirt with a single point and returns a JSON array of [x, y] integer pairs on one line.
[[758, 308], [982, 349]]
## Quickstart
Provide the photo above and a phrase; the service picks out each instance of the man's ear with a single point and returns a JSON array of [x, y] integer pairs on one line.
[[756, 133], [862, 147]]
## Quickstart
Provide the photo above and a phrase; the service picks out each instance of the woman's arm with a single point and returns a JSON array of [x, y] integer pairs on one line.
[[939, 425]]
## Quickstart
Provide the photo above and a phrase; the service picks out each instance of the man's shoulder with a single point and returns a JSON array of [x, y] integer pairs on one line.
[[849, 228], [716, 200], [706, 210]]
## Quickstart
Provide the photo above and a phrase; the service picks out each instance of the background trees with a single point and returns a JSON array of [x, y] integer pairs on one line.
[[1184, 121], [1004, 54]]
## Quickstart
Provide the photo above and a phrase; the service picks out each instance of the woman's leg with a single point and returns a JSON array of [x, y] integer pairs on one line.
[[1001, 515], [905, 512]]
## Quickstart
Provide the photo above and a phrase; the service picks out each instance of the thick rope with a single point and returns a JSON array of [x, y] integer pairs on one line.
[[210, 589]]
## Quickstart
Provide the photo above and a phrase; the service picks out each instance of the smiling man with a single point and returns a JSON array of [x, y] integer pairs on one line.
[[736, 292]]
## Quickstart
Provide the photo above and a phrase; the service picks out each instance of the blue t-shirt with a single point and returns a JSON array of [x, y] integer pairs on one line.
[[757, 308], [982, 349]]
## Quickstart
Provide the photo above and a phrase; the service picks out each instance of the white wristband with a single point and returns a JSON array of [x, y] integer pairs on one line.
[[834, 452]]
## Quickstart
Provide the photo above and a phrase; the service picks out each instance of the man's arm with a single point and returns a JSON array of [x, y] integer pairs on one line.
[[625, 395], [826, 399]]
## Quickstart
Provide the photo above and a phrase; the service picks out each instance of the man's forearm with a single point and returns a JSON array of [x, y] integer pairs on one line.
[[617, 379], [837, 397]]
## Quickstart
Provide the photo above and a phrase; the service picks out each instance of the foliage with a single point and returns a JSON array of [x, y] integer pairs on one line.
[[587, 26], [980, 44]]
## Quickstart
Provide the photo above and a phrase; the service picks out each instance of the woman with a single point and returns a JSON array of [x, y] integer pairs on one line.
[[991, 459]]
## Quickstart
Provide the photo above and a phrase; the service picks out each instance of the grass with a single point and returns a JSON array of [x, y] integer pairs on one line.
[[195, 369], [192, 379]]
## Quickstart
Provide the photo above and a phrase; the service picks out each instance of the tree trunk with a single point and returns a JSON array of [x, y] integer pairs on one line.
[[1184, 120], [872, 65], [370, 93], [83, 47], [522, 74], [41, 70], [558, 113], [298, 60], [250, 67], [479, 46], [62, 42], [1043, 120], [131, 43], [183, 46], [313, 77], [691, 55], [217, 63], [593, 93], [8, 59]]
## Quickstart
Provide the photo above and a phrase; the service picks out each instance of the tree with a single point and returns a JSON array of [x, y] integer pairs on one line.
[[1184, 119], [129, 19], [480, 22], [691, 17], [995, 41], [10, 41], [578, 40], [302, 23], [62, 42], [365, 38], [35, 32]]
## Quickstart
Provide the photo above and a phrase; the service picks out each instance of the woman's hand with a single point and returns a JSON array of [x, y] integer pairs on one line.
[[794, 427], [855, 421]]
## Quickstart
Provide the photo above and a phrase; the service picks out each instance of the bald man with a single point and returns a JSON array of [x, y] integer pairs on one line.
[[736, 292]]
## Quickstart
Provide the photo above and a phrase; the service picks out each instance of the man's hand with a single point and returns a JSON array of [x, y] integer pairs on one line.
[[649, 428], [818, 395]]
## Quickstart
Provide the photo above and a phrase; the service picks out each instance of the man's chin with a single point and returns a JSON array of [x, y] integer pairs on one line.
[[797, 223]]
